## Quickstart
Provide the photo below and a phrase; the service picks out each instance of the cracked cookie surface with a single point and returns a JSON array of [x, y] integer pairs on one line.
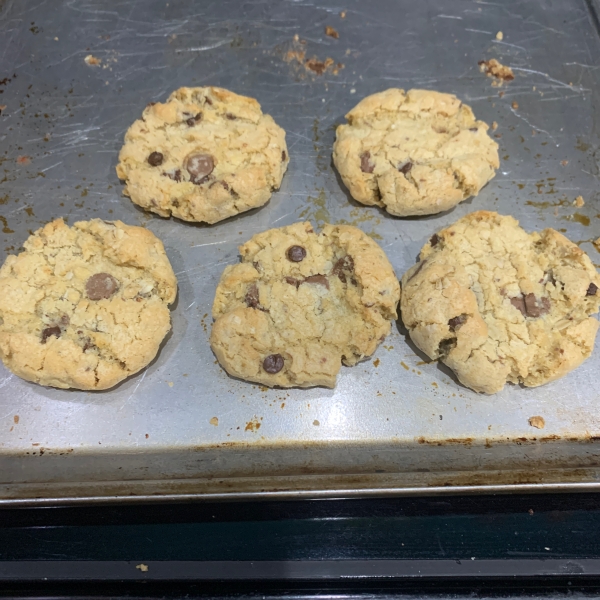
[[85, 306], [302, 303], [497, 304], [204, 155], [414, 153]]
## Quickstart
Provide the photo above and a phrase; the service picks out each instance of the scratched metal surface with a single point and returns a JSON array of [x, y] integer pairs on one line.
[[60, 134]]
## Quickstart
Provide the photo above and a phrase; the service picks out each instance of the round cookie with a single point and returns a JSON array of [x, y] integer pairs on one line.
[[206, 154], [497, 304], [302, 303], [85, 306], [414, 153]]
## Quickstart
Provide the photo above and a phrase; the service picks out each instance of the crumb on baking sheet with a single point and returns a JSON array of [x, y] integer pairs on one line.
[[296, 57], [564, 163], [142, 567], [537, 421], [515, 104], [494, 125], [597, 244], [316, 423], [2, 107], [331, 32], [92, 61], [493, 68], [343, 14], [499, 36], [579, 201], [23, 160], [214, 421]]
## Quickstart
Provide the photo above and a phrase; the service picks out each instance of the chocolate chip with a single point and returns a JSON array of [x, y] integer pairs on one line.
[[530, 306], [193, 120], [273, 363], [317, 279], [174, 175], [252, 298], [435, 238], [457, 322], [101, 285], [519, 303], [296, 253], [208, 100], [405, 168], [88, 344], [536, 308], [293, 281], [346, 263], [473, 129], [155, 159], [231, 116], [50, 331], [199, 166], [446, 346], [283, 156], [365, 162], [592, 289]]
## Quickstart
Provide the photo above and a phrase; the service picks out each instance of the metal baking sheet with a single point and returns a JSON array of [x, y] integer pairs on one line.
[[393, 424]]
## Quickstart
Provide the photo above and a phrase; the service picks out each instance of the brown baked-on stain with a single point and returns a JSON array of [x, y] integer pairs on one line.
[[331, 32], [448, 441], [376, 362], [16, 419], [253, 425], [493, 68]]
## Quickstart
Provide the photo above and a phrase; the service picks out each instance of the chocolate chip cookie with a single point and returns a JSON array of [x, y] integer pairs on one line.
[[85, 306], [497, 304], [206, 154], [302, 303], [414, 153]]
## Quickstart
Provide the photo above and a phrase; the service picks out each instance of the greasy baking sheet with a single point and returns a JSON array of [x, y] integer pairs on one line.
[[394, 423]]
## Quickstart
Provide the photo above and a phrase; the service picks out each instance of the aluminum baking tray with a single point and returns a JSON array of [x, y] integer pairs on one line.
[[394, 424]]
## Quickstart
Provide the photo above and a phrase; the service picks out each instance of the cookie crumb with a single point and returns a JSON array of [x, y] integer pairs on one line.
[[170, 383], [214, 421], [2, 107], [537, 422], [493, 68], [331, 32], [92, 61], [530, 511], [579, 201], [515, 104], [23, 160], [494, 125], [499, 36], [316, 423], [343, 14], [564, 163], [142, 567], [597, 244]]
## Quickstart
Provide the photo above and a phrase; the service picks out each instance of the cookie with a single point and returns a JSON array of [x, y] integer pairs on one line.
[[85, 306], [414, 153], [206, 154], [302, 303], [497, 304]]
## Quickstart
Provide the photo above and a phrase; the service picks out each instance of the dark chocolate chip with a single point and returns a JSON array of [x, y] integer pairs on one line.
[[365, 162], [296, 253], [252, 298], [519, 303], [473, 129], [283, 156], [293, 281], [530, 306], [193, 120], [50, 331], [175, 176], [446, 346], [457, 322], [405, 168], [273, 363], [101, 285], [435, 238], [155, 159], [199, 166], [317, 279], [208, 100], [346, 263], [592, 289], [88, 344], [536, 308]]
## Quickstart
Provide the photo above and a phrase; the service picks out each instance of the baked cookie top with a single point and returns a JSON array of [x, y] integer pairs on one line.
[[414, 153], [302, 303], [85, 306], [206, 154], [497, 304]]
